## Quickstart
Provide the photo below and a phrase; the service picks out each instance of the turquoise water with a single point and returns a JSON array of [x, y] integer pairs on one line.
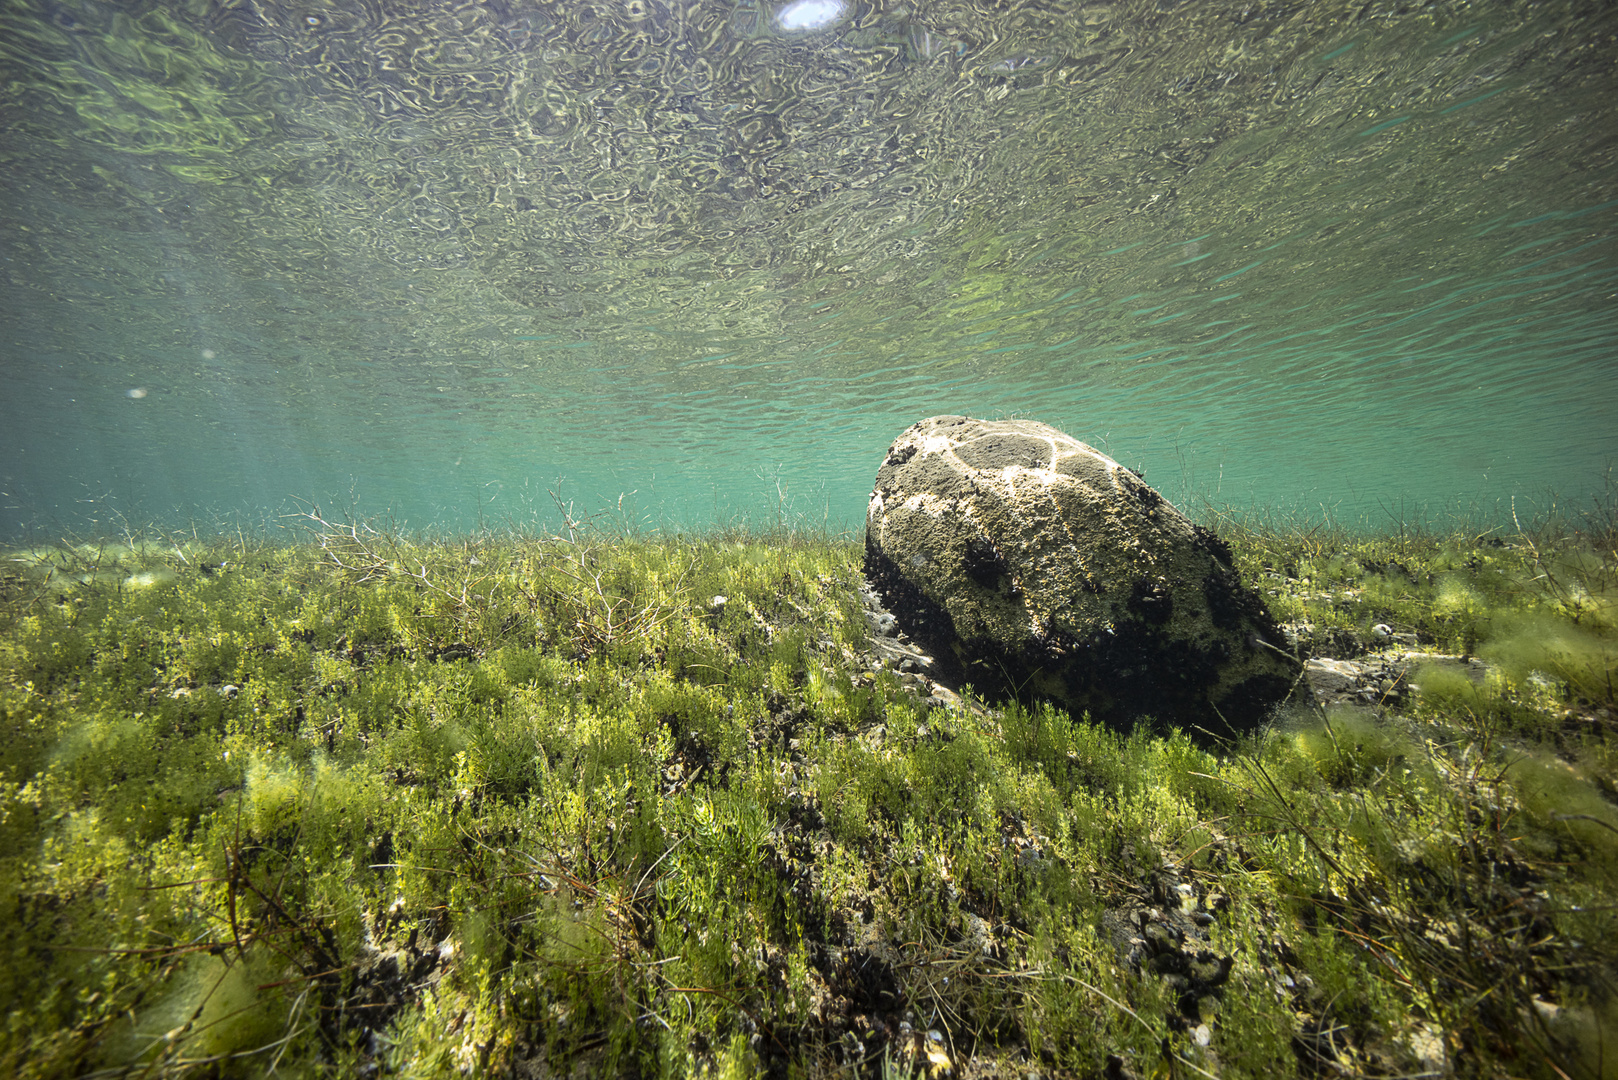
[[691, 263]]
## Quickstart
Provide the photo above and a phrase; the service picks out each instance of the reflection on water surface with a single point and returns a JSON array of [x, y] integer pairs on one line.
[[444, 254]]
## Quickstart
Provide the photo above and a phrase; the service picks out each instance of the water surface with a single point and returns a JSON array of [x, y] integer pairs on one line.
[[442, 259]]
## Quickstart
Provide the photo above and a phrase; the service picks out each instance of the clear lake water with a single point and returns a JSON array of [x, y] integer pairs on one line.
[[694, 263]]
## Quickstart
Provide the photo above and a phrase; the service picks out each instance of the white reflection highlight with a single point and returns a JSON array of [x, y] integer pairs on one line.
[[808, 14]]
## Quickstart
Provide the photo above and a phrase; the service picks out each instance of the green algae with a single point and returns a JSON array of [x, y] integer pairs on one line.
[[428, 808]]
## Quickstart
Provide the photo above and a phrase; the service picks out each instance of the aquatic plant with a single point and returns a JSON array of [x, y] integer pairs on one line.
[[366, 802]]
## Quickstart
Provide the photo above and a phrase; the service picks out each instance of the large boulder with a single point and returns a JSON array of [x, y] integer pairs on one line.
[[1034, 565]]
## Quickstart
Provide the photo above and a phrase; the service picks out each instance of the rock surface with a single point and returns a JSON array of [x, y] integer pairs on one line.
[[1031, 563]]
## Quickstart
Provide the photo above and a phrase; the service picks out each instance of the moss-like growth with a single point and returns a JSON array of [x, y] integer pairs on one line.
[[374, 804]]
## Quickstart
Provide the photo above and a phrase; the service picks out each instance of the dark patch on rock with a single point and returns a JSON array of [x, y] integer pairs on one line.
[[982, 561], [924, 618], [1214, 544], [901, 454], [1151, 601], [1232, 607], [1257, 694]]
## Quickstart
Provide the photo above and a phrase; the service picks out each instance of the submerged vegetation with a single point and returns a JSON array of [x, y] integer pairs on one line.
[[598, 804]]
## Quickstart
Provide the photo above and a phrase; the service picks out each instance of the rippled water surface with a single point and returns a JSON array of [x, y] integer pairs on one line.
[[444, 258]]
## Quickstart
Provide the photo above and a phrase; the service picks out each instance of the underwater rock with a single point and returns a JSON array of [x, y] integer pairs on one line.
[[1033, 564]]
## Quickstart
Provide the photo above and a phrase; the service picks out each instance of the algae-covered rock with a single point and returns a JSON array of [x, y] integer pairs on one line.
[[1036, 564]]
